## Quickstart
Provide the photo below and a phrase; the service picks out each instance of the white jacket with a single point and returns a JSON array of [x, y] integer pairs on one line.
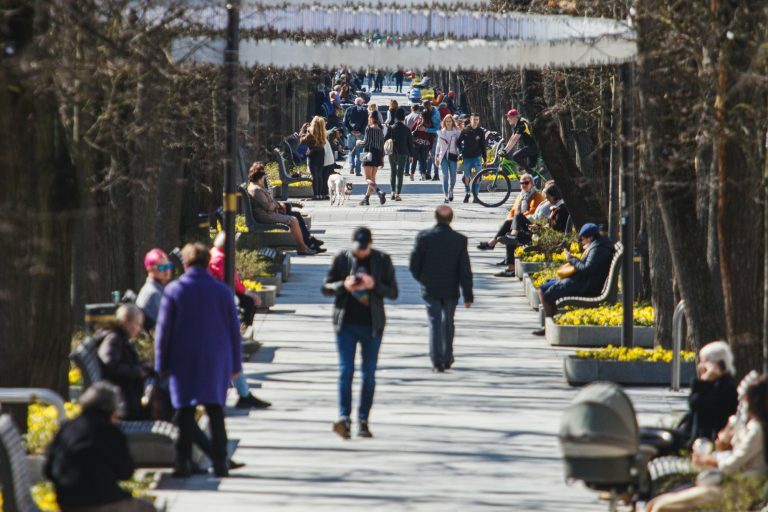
[[446, 143]]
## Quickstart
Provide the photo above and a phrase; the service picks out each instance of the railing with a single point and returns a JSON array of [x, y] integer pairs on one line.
[[678, 331], [32, 395]]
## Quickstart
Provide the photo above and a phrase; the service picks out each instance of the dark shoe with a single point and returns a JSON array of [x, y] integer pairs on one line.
[[466, 198], [317, 241], [343, 428], [364, 431], [251, 402], [365, 202], [436, 178], [393, 197], [501, 263], [474, 200], [450, 196], [508, 239], [320, 250], [438, 369], [485, 246], [539, 332], [232, 465], [220, 471], [398, 198], [505, 273], [446, 201], [382, 197], [358, 174], [449, 363]]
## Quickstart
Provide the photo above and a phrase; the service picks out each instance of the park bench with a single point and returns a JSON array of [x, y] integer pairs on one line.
[[253, 225], [152, 443], [286, 178], [14, 473], [609, 294]]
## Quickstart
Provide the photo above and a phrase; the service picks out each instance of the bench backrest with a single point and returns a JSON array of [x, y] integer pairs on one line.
[[268, 252], [86, 358], [611, 287], [281, 166], [250, 220], [14, 474]]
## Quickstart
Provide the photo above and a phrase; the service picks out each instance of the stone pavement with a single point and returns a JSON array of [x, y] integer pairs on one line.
[[482, 436]]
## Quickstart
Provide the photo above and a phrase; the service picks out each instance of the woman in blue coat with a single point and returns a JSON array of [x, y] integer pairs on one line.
[[197, 345]]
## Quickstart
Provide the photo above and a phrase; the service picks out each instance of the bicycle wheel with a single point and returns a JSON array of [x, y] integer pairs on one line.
[[495, 187]]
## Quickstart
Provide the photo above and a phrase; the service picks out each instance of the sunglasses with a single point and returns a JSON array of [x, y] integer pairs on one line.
[[525, 182], [163, 268]]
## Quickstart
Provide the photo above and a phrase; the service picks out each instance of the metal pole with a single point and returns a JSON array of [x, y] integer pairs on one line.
[[231, 63], [613, 193], [678, 332], [627, 204], [765, 262]]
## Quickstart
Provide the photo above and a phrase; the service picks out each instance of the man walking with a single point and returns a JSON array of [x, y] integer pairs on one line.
[[355, 121], [402, 152], [448, 270], [432, 127], [472, 143], [197, 344], [360, 279]]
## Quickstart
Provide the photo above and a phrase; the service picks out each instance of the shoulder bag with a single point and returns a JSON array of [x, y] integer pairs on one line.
[[566, 271]]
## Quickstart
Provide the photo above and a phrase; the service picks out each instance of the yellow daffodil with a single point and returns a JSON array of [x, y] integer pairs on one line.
[[252, 286], [605, 316], [655, 355]]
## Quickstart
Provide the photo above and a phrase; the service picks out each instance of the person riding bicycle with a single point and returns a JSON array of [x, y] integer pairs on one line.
[[522, 133]]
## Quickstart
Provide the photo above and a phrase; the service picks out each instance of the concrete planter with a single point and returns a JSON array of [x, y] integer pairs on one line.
[[302, 191], [518, 269], [529, 268], [268, 296], [275, 280], [636, 373], [594, 336], [532, 293], [285, 267]]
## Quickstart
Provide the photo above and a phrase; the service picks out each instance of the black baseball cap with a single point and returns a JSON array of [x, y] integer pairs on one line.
[[362, 238]]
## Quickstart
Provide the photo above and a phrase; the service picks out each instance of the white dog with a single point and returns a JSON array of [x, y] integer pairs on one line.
[[339, 189]]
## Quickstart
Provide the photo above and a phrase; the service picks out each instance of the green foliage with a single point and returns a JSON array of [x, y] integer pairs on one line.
[[250, 264]]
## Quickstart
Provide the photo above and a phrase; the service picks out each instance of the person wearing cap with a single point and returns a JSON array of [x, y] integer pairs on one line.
[[591, 271], [159, 274], [473, 149], [89, 457], [359, 280], [355, 121], [522, 133], [440, 263]]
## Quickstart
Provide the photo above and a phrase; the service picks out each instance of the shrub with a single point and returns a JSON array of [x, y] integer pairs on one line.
[[611, 353], [250, 264]]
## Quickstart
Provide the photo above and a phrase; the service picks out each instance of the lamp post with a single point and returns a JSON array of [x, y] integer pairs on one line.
[[627, 204], [231, 63]]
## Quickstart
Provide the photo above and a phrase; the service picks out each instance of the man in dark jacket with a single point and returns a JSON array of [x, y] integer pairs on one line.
[[448, 270], [355, 121], [473, 149], [360, 280], [89, 456], [402, 152], [591, 272]]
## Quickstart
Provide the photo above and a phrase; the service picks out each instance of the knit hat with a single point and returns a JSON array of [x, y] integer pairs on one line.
[[589, 229]]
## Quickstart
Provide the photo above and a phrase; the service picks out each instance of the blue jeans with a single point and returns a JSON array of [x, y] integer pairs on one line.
[[470, 167], [449, 174], [355, 160], [346, 342], [441, 329]]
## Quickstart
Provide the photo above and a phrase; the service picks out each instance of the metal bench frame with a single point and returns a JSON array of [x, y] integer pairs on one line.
[[610, 292], [14, 473], [285, 178]]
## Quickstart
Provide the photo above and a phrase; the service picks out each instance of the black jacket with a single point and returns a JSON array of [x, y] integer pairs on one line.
[[403, 139], [356, 118], [592, 269], [121, 365], [383, 273], [711, 404], [472, 142], [440, 262], [86, 460]]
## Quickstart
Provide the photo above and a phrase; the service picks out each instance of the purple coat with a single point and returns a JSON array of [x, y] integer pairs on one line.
[[197, 339]]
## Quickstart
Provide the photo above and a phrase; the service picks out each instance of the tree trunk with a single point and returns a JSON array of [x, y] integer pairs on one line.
[[577, 190]]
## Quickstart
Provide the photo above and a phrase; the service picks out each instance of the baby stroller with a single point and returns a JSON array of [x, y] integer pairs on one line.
[[600, 442]]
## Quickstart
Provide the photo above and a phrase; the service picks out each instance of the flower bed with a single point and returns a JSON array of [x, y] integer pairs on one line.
[[605, 316], [543, 275], [627, 366]]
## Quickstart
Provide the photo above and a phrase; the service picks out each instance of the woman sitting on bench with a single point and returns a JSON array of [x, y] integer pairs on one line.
[[590, 273], [269, 211]]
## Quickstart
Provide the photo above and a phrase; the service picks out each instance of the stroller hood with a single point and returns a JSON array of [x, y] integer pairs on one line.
[[600, 422]]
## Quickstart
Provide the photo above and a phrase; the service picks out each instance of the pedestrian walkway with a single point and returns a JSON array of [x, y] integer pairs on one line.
[[481, 436]]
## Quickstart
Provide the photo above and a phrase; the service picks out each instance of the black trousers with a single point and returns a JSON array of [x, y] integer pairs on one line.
[[327, 170], [316, 159], [522, 225], [248, 305], [526, 157], [305, 234], [189, 432], [440, 312]]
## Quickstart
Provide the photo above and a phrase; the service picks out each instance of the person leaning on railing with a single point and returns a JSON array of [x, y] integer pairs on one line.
[[589, 272]]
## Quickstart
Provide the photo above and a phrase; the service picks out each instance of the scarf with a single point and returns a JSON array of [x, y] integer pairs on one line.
[[525, 200]]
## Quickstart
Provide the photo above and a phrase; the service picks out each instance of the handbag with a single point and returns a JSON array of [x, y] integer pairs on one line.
[[389, 147], [367, 158], [566, 271], [453, 157]]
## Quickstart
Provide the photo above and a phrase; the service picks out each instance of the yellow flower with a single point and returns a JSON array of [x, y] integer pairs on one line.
[[611, 353], [75, 376], [252, 286], [605, 316]]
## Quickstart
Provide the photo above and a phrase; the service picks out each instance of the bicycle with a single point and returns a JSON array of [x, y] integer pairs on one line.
[[495, 180]]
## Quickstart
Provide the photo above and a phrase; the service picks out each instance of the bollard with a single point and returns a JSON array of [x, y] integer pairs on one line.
[[678, 323]]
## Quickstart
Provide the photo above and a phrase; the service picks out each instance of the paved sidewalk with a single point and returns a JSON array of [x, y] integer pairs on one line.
[[479, 437]]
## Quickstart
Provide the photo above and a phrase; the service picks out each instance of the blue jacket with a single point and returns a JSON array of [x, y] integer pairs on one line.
[[591, 272], [197, 339], [440, 263], [435, 121]]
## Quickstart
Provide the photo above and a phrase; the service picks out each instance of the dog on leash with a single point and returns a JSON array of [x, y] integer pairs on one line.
[[339, 189]]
